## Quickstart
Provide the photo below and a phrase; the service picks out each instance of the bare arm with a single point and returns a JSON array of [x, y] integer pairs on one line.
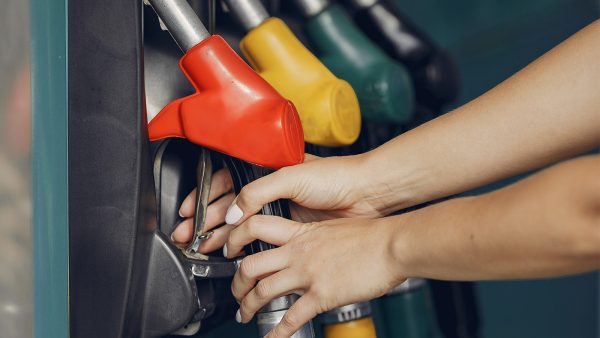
[[545, 225], [547, 112]]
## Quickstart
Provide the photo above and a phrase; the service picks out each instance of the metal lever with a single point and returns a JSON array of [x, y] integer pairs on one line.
[[203, 182]]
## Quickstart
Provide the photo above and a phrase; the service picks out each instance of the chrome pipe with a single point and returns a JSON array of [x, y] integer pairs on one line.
[[249, 13], [310, 8], [181, 21]]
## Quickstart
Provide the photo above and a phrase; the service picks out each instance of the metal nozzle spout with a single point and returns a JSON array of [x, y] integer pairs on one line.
[[181, 21], [361, 3], [249, 13], [310, 8], [269, 316], [347, 313]]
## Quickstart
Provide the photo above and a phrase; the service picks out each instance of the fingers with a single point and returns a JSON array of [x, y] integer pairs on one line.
[[221, 183], [215, 214], [279, 284], [217, 240], [300, 313], [256, 267], [183, 232], [271, 229], [278, 185], [281, 184], [188, 206]]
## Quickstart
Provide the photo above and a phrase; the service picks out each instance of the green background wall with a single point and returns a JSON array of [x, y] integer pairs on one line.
[[491, 40]]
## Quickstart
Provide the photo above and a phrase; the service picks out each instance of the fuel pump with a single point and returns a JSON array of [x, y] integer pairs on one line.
[[434, 73], [406, 311], [260, 126], [437, 83], [350, 321], [384, 88], [385, 94], [328, 106], [237, 113]]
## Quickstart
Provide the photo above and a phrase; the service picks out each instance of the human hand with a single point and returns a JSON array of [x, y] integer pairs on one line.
[[220, 197], [330, 264], [320, 189]]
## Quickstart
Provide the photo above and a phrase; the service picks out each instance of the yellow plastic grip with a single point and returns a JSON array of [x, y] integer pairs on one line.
[[362, 328], [328, 106]]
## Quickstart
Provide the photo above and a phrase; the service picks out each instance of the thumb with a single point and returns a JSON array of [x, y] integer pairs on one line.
[[253, 196]]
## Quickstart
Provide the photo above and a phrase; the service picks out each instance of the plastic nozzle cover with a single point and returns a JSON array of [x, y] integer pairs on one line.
[[384, 87], [328, 106], [234, 111], [361, 328]]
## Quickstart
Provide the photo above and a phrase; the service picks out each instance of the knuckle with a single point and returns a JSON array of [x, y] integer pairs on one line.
[[305, 247], [318, 291], [244, 307], [262, 290], [252, 225], [244, 197], [234, 293], [288, 323], [247, 268]]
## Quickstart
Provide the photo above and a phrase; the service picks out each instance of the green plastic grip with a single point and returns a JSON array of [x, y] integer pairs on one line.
[[408, 315], [384, 88]]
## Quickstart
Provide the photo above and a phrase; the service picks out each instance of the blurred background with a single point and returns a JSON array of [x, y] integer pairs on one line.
[[490, 39], [15, 172]]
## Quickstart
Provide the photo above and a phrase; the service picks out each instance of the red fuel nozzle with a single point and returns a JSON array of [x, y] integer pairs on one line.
[[234, 111]]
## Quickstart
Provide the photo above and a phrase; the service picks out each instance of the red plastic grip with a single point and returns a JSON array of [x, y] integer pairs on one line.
[[234, 111]]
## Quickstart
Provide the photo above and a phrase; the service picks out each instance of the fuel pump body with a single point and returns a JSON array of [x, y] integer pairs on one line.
[[434, 73], [328, 106], [349, 321], [384, 88], [255, 123]]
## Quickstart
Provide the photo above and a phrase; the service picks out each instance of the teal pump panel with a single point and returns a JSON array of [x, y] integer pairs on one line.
[[49, 168]]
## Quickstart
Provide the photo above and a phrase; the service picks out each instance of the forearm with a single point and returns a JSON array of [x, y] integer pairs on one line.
[[546, 112], [546, 225]]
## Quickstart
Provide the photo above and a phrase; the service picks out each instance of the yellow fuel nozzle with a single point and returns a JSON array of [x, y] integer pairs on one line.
[[350, 321], [328, 106], [360, 328]]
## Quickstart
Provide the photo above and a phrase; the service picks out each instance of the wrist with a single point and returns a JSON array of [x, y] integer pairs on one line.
[[422, 241], [393, 185], [399, 246]]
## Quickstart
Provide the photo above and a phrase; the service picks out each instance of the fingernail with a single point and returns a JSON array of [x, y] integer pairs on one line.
[[234, 214], [176, 231], [180, 215], [225, 250], [238, 317]]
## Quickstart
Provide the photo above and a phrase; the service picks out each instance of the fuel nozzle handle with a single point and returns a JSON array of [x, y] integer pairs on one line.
[[233, 110], [181, 21], [249, 13], [310, 8]]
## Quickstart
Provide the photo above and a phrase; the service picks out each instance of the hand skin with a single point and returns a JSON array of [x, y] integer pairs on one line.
[[333, 193], [220, 197], [547, 112], [546, 225]]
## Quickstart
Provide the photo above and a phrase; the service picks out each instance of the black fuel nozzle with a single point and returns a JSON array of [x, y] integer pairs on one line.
[[434, 72]]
